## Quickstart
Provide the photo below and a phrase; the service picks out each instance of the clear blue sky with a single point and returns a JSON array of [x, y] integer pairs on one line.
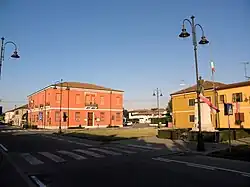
[[124, 44]]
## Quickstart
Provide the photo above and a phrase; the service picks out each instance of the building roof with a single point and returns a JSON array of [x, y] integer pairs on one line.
[[147, 111], [209, 85], [17, 108], [234, 85], [85, 86], [79, 85], [206, 84]]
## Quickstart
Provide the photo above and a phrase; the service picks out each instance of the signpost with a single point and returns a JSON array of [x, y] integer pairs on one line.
[[228, 111], [41, 116]]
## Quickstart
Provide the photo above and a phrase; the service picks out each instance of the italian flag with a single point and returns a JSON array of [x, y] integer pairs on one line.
[[209, 103], [212, 66]]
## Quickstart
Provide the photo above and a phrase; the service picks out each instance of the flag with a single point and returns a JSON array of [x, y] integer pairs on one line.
[[237, 108], [206, 100], [212, 66]]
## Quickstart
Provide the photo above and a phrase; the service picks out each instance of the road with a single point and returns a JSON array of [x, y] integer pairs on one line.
[[43, 158]]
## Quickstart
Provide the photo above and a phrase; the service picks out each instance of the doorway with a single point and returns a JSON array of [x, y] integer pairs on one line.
[[90, 118]]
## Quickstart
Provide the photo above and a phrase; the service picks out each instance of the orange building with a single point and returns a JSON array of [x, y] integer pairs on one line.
[[71, 104]]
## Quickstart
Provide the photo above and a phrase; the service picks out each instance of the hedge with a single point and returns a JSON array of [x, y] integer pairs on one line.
[[218, 136], [156, 120], [173, 134]]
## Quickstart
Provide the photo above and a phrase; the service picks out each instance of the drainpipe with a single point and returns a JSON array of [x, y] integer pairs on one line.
[[44, 116], [110, 107]]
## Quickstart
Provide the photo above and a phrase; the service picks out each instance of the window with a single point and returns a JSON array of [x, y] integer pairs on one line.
[[87, 99], [118, 116], [102, 116], [191, 118], [78, 99], [58, 97], [237, 97], [102, 100], [222, 98], [77, 116], [93, 99], [118, 100], [191, 102], [239, 117], [57, 116]]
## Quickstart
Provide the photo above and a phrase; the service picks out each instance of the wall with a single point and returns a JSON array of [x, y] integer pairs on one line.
[[182, 110], [244, 107], [74, 100], [17, 117]]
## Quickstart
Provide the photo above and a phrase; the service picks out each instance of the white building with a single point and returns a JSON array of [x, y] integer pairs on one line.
[[145, 115], [8, 117], [16, 116]]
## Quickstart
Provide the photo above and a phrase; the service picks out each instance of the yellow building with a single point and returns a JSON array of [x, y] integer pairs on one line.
[[183, 104]]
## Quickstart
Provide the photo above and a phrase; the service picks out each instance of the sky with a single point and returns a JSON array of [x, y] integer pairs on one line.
[[131, 45]]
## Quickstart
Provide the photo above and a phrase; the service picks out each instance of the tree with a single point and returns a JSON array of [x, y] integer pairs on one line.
[[125, 113], [170, 106]]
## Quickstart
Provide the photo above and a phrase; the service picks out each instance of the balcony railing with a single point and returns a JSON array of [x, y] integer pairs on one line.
[[91, 105]]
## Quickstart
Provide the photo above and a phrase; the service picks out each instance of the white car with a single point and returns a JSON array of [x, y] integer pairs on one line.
[[129, 123]]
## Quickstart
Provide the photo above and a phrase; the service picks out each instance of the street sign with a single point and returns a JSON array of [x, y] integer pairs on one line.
[[40, 115], [228, 109]]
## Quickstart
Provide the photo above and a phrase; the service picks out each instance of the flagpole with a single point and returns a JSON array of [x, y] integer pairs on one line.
[[214, 89]]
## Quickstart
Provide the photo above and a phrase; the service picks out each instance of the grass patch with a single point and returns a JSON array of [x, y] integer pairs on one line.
[[112, 134], [240, 152]]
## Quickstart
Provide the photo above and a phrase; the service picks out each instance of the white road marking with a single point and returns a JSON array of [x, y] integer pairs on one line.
[[105, 151], [3, 147], [145, 147], [53, 157], [69, 141], [89, 153], [79, 143], [121, 150], [200, 166], [245, 174], [37, 181], [73, 155], [133, 148], [31, 159]]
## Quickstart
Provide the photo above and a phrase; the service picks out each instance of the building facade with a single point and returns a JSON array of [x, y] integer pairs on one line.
[[145, 115], [73, 104], [16, 116], [183, 103]]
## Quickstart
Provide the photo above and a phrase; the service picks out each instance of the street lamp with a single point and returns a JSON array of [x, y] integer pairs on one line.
[[157, 92], [184, 34], [14, 55], [60, 122], [68, 88]]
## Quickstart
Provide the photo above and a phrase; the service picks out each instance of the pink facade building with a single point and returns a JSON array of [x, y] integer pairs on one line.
[[71, 104]]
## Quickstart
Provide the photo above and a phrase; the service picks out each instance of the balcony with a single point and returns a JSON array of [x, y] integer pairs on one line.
[[90, 105]]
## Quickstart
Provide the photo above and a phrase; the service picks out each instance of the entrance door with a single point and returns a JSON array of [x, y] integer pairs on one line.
[[90, 118]]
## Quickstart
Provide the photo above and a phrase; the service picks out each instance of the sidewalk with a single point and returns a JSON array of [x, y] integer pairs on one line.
[[184, 146]]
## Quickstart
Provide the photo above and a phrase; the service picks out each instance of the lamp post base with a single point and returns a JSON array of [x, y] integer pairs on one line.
[[60, 130], [200, 142]]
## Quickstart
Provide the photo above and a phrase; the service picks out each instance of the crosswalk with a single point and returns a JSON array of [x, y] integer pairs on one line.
[[62, 156], [13, 130]]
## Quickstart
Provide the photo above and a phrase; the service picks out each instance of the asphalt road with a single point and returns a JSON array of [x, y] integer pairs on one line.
[[62, 162]]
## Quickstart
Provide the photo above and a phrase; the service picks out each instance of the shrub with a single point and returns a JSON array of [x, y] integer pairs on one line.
[[173, 134]]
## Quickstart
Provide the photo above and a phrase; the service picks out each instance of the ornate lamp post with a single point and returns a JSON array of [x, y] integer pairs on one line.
[[184, 34], [157, 92], [3, 45]]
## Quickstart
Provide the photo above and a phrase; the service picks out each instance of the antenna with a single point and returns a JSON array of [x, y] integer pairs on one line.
[[245, 70], [182, 83]]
